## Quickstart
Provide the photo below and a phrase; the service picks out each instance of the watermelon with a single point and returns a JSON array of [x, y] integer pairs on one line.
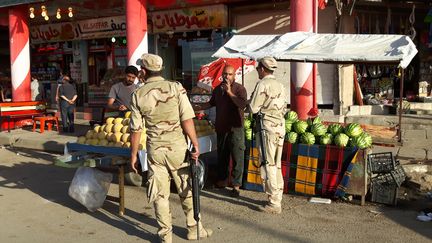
[[326, 139], [248, 134], [300, 127], [318, 129], [291, 116], [353, 130], [341, 140], [247, 123], [363, 141], [291, 137], [312, 121], [307, 138], [288, 126], [335, 129]]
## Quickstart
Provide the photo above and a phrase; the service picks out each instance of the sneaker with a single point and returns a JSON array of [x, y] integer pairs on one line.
[[192, 233], [235, 192], [270, 209]]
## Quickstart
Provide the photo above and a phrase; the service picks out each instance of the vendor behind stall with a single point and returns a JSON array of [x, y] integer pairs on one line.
[[120, 94]]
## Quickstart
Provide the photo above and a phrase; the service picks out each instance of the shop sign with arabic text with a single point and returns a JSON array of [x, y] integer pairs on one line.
[[86, 29], [187, 19]]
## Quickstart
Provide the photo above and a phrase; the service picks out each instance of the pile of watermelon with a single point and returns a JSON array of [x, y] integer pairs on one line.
[[313, 131]]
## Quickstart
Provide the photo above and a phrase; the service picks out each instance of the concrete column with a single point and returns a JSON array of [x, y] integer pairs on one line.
[[84, 61], [302, 17], [136, 29], [19, 53]]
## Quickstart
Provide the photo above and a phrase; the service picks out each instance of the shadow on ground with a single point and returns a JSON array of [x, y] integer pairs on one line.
[[52, 183]]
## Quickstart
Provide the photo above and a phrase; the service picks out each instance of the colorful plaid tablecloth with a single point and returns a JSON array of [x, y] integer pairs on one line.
[[307, 169]]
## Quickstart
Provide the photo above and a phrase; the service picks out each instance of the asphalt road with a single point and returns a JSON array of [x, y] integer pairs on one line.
[[35, 207]]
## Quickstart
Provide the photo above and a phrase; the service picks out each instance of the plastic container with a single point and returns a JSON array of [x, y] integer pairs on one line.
[[386, 194], [398, 175], [381, 162]]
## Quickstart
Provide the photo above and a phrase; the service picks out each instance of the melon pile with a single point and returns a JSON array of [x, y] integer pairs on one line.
[[115, 132], [313, 131]]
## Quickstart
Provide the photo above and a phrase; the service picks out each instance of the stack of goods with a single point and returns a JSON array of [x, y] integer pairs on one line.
[[98, 93], [313, 131], [115, 132], [203, 127], [387, 176]]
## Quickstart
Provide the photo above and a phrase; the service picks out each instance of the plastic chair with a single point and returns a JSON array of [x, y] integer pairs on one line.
[[49, 120]]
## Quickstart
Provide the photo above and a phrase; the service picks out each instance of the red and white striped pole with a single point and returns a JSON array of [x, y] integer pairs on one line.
[[19, 53], [302, 16], [136, 29]]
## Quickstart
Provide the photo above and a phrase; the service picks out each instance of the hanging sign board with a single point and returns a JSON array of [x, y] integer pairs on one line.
[[8, 3], [81, 30], [188, 19]]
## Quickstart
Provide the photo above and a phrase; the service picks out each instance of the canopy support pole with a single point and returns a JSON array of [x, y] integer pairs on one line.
[[242, 72], [401, 87]]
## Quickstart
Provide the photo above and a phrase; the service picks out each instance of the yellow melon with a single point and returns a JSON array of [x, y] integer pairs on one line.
[[118, 144], [81, 139], [118, 120], [126, 145], [125, 138], [125, 129], [125, 121], [103, 142], [102, 135], [128, 114], [110, 144], [94, 141], [109, 120], [117, 127], [97, 128], [108, 128], [108, 136], [116, 137], [89, 134]]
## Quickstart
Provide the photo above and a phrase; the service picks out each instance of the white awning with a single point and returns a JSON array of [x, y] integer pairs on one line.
[[328, 48]]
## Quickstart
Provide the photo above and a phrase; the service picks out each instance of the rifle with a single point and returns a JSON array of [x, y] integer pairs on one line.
[[195, 172], [262, 136]]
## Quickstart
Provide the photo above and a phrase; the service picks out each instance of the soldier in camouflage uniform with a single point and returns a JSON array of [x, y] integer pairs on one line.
[[269, 99], [164, 108]]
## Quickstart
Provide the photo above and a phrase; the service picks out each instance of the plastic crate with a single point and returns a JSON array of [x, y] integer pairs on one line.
[[386, 194], [384, 179], [398, 175], [381, 162]]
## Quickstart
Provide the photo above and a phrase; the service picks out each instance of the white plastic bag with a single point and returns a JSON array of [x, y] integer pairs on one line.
[[90, 187]]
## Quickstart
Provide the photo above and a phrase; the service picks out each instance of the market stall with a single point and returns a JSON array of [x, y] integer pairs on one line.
[[327, 48], [107, 148], [308, 168]]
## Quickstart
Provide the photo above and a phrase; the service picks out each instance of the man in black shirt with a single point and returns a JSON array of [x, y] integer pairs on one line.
[[68, 96]]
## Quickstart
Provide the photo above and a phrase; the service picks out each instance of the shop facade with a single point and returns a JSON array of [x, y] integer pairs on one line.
[[186, 33]]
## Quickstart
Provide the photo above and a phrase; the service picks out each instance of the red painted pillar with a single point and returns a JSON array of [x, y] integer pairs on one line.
[[19, 53], [136, 29], [302, 16]]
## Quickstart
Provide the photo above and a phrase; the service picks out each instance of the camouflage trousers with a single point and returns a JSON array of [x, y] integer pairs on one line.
[[164, 166], [271, 173]]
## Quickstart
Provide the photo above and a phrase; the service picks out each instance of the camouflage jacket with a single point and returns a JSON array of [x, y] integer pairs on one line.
[[269, 98], [162, 104]]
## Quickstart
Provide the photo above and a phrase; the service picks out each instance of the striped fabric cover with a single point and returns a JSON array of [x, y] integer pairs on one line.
[[252, 178], [308, 169]]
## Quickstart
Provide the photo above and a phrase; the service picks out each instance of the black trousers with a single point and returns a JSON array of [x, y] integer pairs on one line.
[[67, 116], [231, 144]]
